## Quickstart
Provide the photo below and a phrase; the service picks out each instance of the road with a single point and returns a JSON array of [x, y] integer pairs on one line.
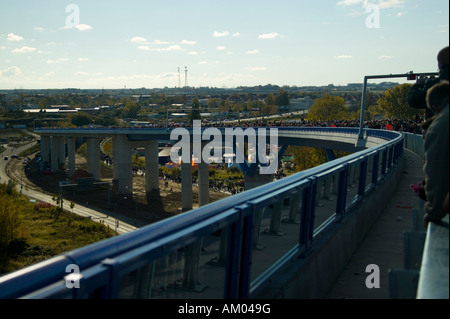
[[125, 224]]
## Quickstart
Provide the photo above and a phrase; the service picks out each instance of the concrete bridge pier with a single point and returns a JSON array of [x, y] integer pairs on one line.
[[122, 161], [61, 146], [93, 157], [191, 279], [71, 155], [54, 153], [186, 186], [151, 167], [203, 183], [115, 156], [45, 149]]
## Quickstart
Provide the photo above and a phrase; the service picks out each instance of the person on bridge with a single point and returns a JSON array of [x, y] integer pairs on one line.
[[417, 93], [436, 148]]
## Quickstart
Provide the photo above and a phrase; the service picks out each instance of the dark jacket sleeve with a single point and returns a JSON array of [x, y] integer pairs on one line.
[[417, 95]]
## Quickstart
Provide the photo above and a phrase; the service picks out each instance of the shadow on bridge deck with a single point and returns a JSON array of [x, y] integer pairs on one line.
[[383, 245]]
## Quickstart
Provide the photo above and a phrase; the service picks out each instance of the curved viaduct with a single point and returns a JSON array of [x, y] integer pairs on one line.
[[55, 141], [304, 247]]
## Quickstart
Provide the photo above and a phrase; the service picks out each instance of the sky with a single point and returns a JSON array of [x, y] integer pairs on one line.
[[54, 44]]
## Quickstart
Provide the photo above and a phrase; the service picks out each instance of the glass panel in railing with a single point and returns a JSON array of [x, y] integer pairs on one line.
[[196, 271], [352, 182], [276, 231], [326, 198], [370, 161]]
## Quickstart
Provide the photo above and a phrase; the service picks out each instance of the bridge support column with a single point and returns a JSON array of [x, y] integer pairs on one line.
[[54, 153], [330, 155], [45, 149], [93, 157], [124, 174], [115, 156], [193, 252], [186, 186], [71, 155], [253, 181], [151, 167], [203, 183], [61, 142]]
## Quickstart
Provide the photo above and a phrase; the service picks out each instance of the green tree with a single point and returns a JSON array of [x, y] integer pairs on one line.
[[80, 119], [307, 157], [9, 220], [394, 103], [131, 109], [328, 108], [282, 98]]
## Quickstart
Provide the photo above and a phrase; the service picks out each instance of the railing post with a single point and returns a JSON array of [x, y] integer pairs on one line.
[[390, 157], [246, 255], [257, 228], [235, 255], [375, 165], [307, 216], [362, 178], [384, 163], [342, 193]]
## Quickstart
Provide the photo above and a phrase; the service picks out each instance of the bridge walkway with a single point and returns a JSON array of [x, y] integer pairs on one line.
[[384, 244]]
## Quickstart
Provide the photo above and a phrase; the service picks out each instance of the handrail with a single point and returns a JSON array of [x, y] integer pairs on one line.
[[433, 278], [103, 264]]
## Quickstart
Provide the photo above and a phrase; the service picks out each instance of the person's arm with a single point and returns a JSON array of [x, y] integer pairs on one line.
[[436, 171]]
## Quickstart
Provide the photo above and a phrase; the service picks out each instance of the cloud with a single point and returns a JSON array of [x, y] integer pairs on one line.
[[252, 52], [87, 74], [221, 48], [14, 37], [83, 59], [382, 4], [258, 68], [83, 27], [193, 53], [385, 57], [220, 34], [271, 35], [38, 29], [57, 61], [159, 42], [188, 42], [11, 72], [207, 62], [170, 48], [349, 2], [344, 56], [236, 34], [138, 40], [24, 49], [390, 4]]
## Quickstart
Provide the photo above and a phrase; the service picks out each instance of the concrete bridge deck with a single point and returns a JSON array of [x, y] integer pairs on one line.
[[383, 245]]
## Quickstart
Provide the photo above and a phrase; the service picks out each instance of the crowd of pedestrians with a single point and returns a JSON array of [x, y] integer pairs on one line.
[[435, 94]]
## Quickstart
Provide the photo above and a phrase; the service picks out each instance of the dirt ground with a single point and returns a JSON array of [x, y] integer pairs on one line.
[[146, 208]]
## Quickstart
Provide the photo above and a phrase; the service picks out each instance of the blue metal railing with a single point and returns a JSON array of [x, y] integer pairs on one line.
[[149, 262]]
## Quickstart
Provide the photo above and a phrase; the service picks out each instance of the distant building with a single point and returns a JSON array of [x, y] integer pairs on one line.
[[300, 104]]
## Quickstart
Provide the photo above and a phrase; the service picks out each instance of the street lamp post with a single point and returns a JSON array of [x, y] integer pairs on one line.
[[409, 76]]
